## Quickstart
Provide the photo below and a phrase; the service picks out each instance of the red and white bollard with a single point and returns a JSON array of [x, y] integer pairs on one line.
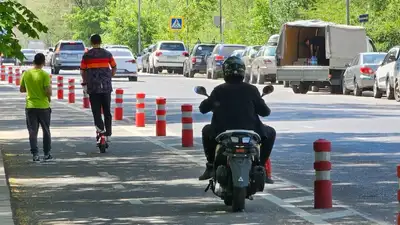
[[71, 91], [140, 114], [10, 77], [3, 73], [161, 120], [85, 99], [187, 125], [119, 110], [60, 87], [268, 167], [17, 77], [322, 166]]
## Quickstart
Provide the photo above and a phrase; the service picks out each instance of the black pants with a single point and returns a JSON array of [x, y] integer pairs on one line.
[[209, 143], [34, 117], [97, 102]]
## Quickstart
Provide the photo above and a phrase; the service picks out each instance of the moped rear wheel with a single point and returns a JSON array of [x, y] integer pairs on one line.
[[238, 198]]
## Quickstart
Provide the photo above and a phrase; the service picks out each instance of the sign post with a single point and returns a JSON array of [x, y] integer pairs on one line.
[[176, 24]]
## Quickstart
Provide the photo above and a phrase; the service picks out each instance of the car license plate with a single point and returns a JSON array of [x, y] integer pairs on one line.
[[73, 56], [172, 57]]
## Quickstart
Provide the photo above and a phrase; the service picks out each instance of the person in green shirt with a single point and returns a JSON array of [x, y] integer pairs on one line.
[[36, 84]]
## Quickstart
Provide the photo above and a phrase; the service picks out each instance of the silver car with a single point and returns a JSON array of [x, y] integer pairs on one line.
[[360, 73], [67, 56], [29, 55]]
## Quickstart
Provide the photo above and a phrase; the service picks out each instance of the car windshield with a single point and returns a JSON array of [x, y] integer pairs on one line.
[[227, 50], [172, 46], [204, 50], [373, 58], [121, 53], [28, 51], [270, 51], [72, 46]]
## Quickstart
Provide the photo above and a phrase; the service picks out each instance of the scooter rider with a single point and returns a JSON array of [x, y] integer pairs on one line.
[[235, 105]]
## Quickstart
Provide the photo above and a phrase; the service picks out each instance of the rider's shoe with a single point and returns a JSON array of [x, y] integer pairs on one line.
[[267, 179], [208, 173]]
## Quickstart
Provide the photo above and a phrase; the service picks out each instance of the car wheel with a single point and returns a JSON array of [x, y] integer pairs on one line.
[[397, 91], [260, 77], [252, 78], [389, 91], [344, 89], [192, 73], [377, 92], [56, 70], [357, 89]]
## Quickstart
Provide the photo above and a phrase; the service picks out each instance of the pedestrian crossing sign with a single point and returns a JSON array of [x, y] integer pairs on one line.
[[176, 23]]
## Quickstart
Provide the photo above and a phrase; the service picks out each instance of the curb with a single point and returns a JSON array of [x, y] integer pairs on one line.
[[6, 215]]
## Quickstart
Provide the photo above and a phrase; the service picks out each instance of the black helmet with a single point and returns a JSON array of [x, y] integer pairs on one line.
[[233, 68]]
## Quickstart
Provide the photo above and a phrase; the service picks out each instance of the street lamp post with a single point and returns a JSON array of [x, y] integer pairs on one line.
[[348, 12], [220, 22], [139, 39]]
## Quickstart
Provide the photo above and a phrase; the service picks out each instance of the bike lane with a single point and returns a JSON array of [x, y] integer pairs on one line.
[[137, 182]]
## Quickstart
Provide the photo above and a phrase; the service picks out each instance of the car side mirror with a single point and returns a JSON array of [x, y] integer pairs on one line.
[[201, 90], [268, 89]]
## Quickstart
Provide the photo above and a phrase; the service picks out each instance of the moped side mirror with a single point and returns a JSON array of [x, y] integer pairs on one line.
[[268, 89], [201, 90]]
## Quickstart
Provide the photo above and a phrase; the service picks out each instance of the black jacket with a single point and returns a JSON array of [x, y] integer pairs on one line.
[[236, 106]]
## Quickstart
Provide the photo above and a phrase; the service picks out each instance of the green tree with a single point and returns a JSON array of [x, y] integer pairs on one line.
[[13, 15]]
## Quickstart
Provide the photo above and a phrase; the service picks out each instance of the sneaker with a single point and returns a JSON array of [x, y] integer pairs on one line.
[[208, 173], [48, 157], [36, 158]]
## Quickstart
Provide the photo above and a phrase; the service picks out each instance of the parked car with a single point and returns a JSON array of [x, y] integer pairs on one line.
[[29, 55], [145, 58], [196, 62], [216, 58], [67, 56], [360, 73], [263, 67], [126, 63], [238, 53], [168, 55], [384, 79], [248, 57], [273, 40], [8, 60], [116, 46]]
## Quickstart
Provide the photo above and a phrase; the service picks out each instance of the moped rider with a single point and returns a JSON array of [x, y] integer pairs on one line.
[[235, 105]]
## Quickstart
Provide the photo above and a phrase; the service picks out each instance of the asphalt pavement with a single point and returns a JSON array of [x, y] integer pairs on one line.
[[152, 180]]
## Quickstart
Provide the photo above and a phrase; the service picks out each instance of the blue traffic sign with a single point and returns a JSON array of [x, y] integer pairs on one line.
[[176, 23], [363, 18]]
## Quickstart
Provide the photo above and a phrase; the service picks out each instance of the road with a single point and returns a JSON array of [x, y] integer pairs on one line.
[[152, 180]]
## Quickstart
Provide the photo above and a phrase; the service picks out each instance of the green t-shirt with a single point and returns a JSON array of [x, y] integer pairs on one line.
[[36, 81]]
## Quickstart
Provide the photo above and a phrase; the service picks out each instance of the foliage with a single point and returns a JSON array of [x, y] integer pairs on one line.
[[245, 21], [15, 15]]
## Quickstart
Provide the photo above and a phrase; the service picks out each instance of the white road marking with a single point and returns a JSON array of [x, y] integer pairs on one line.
[[70, 145], [135, 202], [299, 199], [104, 174], [314, 219], [176, 151], [338, 214], [92, 162], [80, 153], [118, 186]]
